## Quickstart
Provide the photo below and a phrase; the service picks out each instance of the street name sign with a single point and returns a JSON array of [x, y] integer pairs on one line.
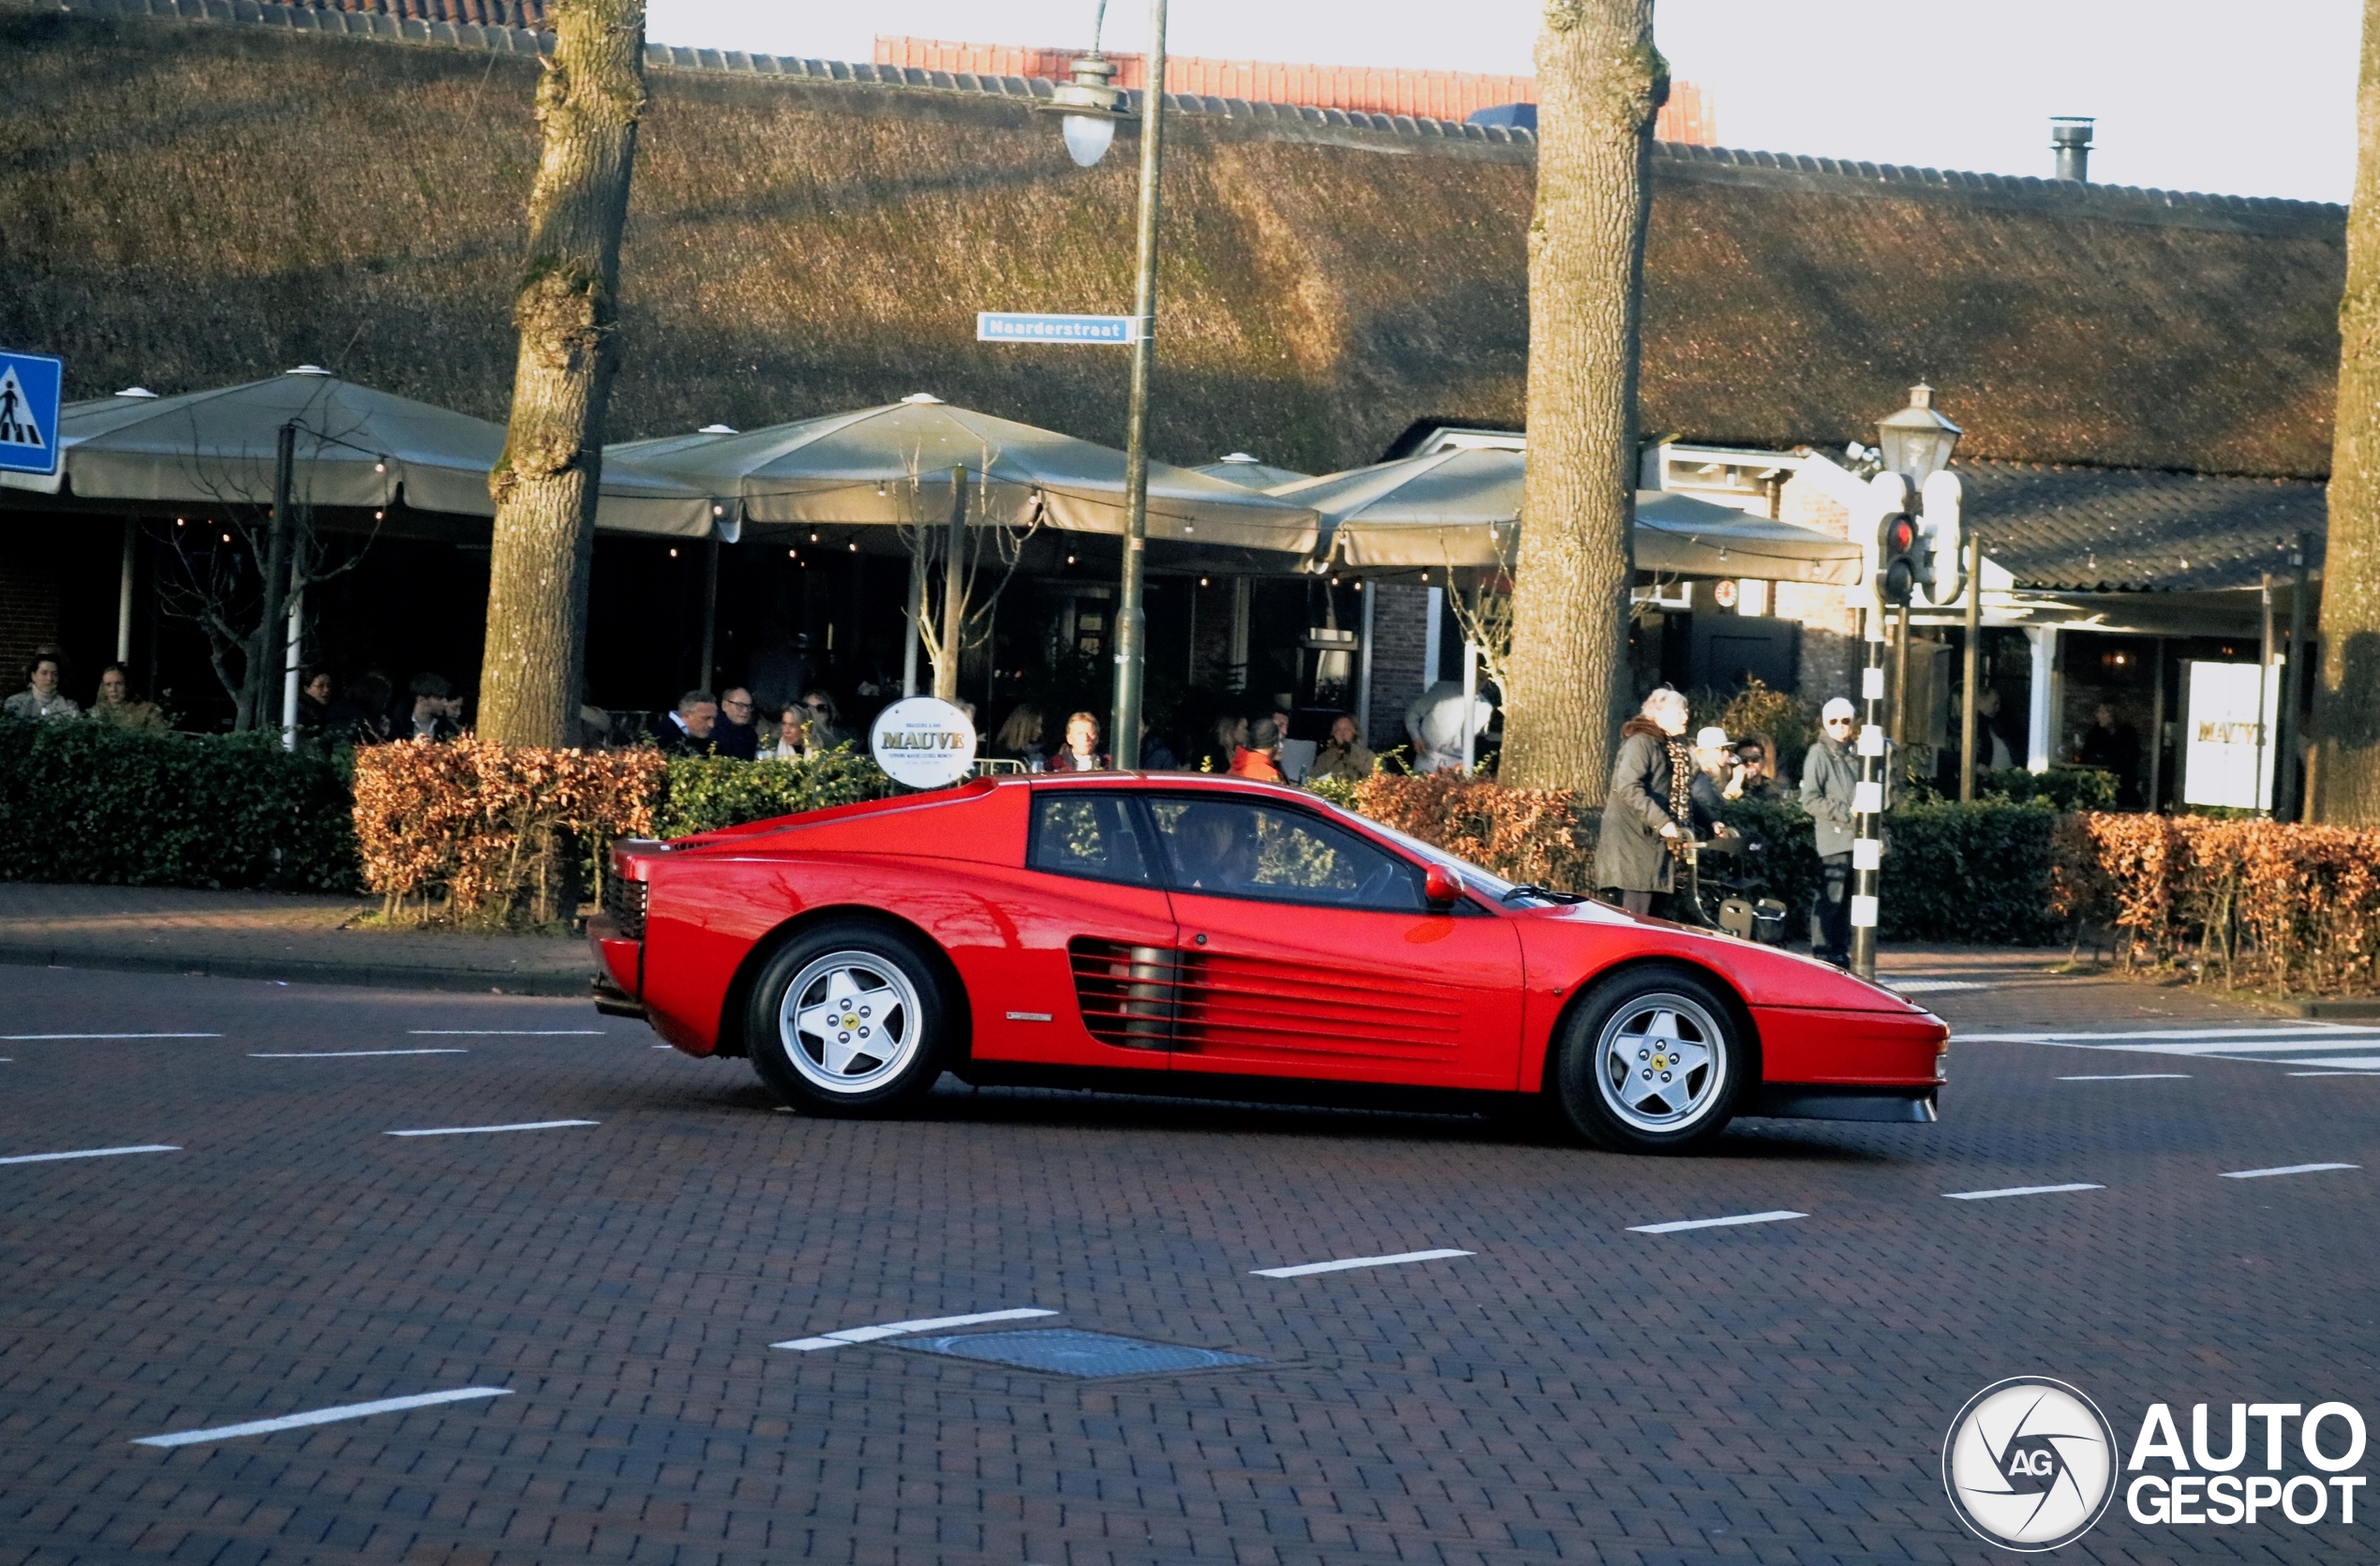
[[29, 412], [994, 326]]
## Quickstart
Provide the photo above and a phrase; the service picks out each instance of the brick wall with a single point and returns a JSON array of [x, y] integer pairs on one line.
[[1400, 636], [29, 602], [1829, 656], [1443, 95]]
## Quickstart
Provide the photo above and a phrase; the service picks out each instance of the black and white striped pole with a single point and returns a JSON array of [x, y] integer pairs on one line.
[[1867, 799]]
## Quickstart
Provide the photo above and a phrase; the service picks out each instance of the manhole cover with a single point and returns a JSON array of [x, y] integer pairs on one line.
[[1068, 1352]]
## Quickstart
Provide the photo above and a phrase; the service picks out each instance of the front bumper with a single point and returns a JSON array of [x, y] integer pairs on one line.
[[1906, 1106]]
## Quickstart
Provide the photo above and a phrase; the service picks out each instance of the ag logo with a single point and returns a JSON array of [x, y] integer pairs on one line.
[[2029, 1464]]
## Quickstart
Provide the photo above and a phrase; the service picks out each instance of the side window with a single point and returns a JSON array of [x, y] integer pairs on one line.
[[1234, 848], [1087, 832]]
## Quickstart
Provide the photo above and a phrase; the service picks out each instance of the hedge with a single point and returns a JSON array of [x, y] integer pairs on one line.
[[86, 801], [705, 792], [1979, 871], [2258, 905], [513, 835]]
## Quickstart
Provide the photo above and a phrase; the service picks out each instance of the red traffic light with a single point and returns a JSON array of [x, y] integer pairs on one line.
[[1899, 535]]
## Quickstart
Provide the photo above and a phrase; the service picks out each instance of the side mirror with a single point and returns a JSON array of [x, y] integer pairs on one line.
[[1441, 888]]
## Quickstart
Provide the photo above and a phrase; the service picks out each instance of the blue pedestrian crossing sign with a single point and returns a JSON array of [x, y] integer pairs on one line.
[[29, 412]]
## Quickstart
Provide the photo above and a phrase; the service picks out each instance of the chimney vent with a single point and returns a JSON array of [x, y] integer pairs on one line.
[[2070, 139]]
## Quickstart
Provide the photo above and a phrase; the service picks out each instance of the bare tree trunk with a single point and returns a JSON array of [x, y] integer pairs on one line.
[[2347, 702], [545, 485], [1600, 84]]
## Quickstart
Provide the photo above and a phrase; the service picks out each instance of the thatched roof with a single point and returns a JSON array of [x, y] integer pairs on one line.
[[184, 205], [2099, 529]]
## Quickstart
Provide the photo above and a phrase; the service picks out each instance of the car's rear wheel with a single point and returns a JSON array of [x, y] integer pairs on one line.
[[1652, 1060], [850, 1018]]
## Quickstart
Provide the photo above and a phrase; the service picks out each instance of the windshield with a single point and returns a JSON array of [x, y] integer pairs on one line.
[[1478, 880]]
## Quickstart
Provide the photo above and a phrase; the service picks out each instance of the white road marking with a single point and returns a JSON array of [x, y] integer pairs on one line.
[[2288, 1044], [903, 1329], [1928, 986], [349, 1055], [2135, 1076], [86, 1153], [477, 1130], [2286, 1169], [2236, 1031], [1309, 1269], [1682, 1224], [2018, 1190], [2335, 1073], [506, 1033], [320, 1416], [37, 1037]]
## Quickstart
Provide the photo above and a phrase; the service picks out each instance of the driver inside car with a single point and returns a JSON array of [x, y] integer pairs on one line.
[[1214, 853]]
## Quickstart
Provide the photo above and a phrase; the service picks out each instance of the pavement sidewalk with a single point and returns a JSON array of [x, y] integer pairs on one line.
[[296, 938]]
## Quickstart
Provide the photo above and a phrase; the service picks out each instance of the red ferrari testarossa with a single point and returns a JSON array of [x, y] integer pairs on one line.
[[1193, 934]]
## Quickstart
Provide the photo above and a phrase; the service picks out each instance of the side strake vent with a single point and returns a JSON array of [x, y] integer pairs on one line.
[[1130, 995], [624, 899]]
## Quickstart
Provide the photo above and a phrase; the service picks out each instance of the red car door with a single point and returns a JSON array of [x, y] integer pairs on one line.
[[1085, 980], [1308, 952]]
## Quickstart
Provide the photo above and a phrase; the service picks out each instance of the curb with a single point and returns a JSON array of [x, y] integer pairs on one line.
[[2363, 1006], [303, 970]]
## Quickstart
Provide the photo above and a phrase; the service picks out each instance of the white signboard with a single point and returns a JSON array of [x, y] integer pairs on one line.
[[924, 742], [2227, 741]]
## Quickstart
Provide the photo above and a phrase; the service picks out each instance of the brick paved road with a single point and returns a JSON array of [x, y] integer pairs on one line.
[[1572, 1391]]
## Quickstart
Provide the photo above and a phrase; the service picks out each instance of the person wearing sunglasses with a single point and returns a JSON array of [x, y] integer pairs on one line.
[[1830, 787], [735, 734]]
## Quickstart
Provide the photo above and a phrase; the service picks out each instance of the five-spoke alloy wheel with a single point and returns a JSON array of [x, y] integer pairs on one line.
[[1650, 1060], [849, 1019]]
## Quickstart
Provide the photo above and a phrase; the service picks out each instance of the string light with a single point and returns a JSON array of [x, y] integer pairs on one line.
[[793, 554], [672, 554], [855, 546], [1202, 581]]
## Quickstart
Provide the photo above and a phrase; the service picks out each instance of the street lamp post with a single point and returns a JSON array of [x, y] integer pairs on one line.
[[1092, 107], [1915, 444]]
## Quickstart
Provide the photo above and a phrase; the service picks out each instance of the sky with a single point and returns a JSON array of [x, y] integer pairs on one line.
[[2216, 96]]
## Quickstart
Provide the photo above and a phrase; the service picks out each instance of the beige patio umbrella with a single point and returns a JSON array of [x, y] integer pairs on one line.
[[891, 466], [1462, 508], [356, 448]]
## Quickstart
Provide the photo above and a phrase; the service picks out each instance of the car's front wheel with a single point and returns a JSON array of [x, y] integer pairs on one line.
[[1651, 1060], [850, 1018]]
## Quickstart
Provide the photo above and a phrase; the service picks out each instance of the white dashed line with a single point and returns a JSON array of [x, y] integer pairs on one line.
[[2372, 1073], [2286, 1169], [2133, 1077], [2342, 1063], [38, 1038], [1683, 1224], [350, 1054], [903, 1329], [320, 1416], [506, 1032], [1310, 1268], [86, 1153], [2018, 1190], [481, 1130]]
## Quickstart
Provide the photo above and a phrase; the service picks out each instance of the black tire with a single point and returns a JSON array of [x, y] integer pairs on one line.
[[1611, 1050], [897, 1000]]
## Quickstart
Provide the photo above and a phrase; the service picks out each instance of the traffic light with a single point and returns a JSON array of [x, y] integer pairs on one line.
[[1900, 567]]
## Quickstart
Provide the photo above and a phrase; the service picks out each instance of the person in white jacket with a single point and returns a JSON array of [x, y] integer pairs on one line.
[[1435, 724]]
